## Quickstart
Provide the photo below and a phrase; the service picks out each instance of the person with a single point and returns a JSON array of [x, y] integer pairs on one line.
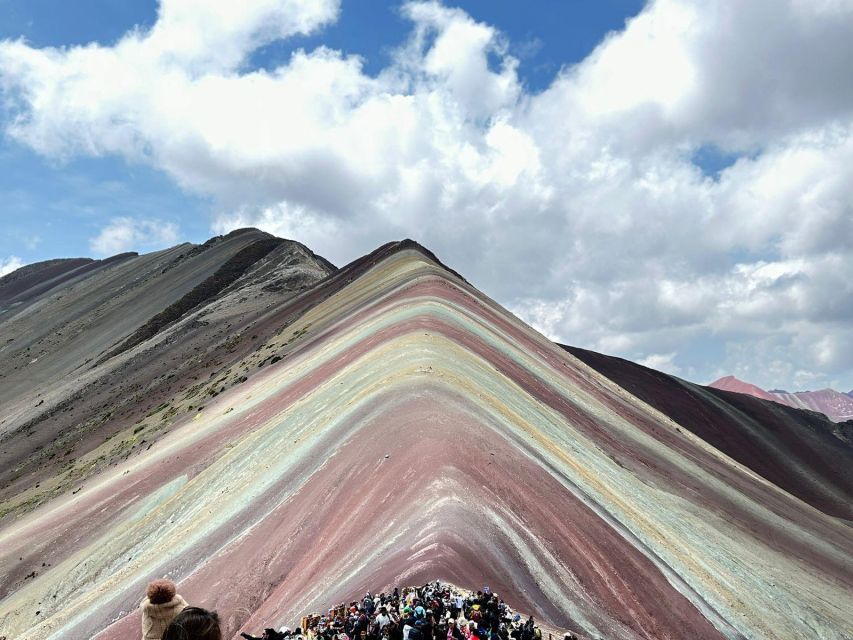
[[458, 604], [417, 632], [194, 623], [383, 619], [269, 634], [452, 632], [160, 606], [408, 625], [527, 629], [470, 631]]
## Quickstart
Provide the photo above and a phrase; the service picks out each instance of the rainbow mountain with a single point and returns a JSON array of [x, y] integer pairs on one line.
[[277, 435]]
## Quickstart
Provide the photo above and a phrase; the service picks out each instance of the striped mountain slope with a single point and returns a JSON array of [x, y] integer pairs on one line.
[[395, 425]]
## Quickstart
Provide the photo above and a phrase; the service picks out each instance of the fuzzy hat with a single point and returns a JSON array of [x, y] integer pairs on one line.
[[161, 591]]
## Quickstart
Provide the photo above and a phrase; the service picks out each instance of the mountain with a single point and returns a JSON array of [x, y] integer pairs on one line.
[[730, 383], [838, 406], [834, 404], [78, 392], [302, 434], [801, 452]]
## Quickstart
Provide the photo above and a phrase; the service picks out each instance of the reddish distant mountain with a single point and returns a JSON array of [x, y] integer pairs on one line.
[[835, 405], [730, 383]]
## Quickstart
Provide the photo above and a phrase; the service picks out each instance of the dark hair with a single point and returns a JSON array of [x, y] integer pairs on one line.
[[194, 623]]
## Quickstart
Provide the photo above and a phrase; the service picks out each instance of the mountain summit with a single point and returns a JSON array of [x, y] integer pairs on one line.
[[275, 435], [834, 404], [730, 383]]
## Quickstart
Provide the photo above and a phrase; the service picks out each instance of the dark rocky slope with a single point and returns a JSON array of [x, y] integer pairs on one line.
[[94, 365], [800, 451]]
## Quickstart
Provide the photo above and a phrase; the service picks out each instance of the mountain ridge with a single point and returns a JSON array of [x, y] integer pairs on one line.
[[834, 404], [384, 423]]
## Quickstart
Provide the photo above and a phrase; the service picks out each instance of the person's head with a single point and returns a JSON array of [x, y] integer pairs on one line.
[[160, 591], [451, 622], [194, 623]]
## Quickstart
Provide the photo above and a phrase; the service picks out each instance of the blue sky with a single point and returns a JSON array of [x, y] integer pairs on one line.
[[52, 207], [668, 181]]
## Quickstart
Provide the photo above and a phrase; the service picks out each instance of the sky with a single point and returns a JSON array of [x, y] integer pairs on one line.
[[667, 181]]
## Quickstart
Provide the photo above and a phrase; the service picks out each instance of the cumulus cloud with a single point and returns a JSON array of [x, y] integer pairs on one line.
[[579, 207], [661, 362], [10, 264], [129, 234]]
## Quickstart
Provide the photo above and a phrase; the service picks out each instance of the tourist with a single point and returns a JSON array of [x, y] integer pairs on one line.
[[269, 634], [453, 633], [160, 606], [194, 623], [383, 619], [431, 612]]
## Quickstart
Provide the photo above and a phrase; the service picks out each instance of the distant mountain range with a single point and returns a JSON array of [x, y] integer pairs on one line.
[[837, 406]]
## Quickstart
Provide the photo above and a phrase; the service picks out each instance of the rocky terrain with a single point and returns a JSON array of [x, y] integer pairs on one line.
[[835, 405], [87, 381], [275, 434]]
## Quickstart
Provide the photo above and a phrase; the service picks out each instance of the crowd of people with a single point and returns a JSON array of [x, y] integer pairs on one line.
[[434, 611]]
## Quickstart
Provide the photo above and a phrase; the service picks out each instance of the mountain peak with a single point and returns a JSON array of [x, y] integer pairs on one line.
[[834, 404], [732, 383], [306, 434]]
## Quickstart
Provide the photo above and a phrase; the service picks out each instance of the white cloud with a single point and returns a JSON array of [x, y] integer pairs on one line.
[[578, 207], [128, 234], [662, 362], [10, 264]]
